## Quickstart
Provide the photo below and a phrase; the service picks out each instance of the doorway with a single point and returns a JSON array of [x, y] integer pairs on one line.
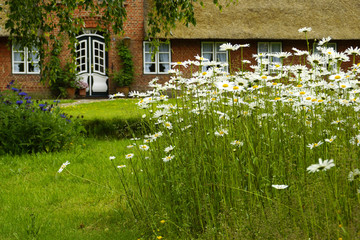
[[91, 62]]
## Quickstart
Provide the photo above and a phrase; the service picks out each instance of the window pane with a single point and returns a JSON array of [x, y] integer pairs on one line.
[[164, 67], [263, 47], [18, 56], [208, 56], [34, 56], [33, 68], [207, 47], [150, 68], [218, 47], [148, 57], [147, 47], [164, 57], [19, 67], [164, 47], [275, 47], [221, 57]]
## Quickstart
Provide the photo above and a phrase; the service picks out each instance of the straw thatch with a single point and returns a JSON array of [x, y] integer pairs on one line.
[[279, 19], [3, 33]]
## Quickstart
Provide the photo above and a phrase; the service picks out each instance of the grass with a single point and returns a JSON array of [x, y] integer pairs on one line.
[[39, 203], [106, 110]]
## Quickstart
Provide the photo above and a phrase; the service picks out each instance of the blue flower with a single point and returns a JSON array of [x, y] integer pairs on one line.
[[22, 93], [14, 89], [19, 102], [41, 105], [27, 98]]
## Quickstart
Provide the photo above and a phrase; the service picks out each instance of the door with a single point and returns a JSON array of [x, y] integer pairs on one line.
[[91, 61]]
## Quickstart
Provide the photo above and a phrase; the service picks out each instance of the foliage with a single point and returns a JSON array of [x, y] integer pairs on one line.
[[264, 154], [125, 76], [27, 126], [59, 77]]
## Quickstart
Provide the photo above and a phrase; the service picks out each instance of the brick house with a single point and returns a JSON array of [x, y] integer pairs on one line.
[[267, 26]]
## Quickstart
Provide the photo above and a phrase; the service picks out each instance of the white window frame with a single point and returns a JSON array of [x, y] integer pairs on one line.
[[155, 59], [270, 47], [26, 61], [80, 57], [214, 52], [99, 64]]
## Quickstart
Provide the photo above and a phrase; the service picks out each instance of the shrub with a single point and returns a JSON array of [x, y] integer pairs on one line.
[[27, 126]]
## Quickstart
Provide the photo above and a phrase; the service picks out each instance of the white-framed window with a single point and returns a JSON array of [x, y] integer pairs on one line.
[[211, 51], [25, 61], [158, 63], [268, 48]]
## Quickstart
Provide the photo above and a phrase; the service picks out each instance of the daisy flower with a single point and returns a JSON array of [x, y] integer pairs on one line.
[[324, 40], [221, 132], [63, 166], [169, 148], [168, 158], [121, 166], [280, 186], [228, 46], [354, 174], [111, 158], [330, 140], [144, 147], [130, 155], [321, 166], [313, 145], [305, 29], [237, 143]]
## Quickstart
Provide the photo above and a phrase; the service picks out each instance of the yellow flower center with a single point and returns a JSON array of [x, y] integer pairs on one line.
[[277, 65], [204, 73], [213, 99], [264, 77], [320, 100], [337, 77], [225, 85], [274, 84], [343, 86], [299, 85], [302, 93], [256, 86], [290, 99], [314, 100], [178, 62], [277, 98], [315, 144], [308, 98], [235, 88], [235, 100], [329, 53], [331, 139]]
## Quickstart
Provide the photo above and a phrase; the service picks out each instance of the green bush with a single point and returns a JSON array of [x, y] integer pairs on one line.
[[27, 126]]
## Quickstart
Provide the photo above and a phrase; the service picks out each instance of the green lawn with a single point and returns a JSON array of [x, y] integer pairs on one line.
[[117, 108], [85, 201]]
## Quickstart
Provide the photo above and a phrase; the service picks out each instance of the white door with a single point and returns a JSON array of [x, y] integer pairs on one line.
[[91, 60]]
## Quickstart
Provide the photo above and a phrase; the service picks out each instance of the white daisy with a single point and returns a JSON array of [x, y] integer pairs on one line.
[[305, 29], [168, 158], [130, 155], [169, 148], [144, 147], [321, 166], [63, 166], [280, 186]]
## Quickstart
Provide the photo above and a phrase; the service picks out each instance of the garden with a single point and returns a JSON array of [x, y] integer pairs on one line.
[[271, 153]]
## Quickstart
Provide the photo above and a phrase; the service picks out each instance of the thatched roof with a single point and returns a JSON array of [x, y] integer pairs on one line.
[[3, 19], [279, 19]]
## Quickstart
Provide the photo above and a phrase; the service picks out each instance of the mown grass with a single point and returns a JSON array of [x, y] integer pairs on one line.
[[85, 201]]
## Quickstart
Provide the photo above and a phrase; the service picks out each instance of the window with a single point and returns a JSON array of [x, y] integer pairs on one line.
[[24, 61], [211, 51], [158, 63], [268, 48]]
